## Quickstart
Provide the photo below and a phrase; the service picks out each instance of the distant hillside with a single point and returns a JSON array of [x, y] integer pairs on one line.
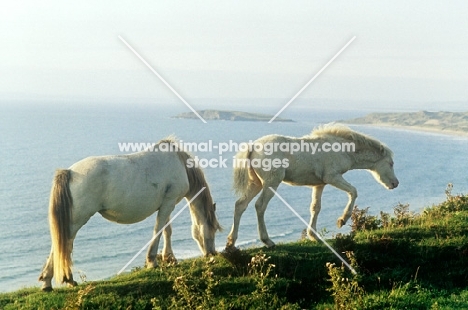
[[448, 122], [231, 116]]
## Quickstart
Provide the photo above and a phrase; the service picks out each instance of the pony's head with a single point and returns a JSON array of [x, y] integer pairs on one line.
[[378, 157], [204, 224], [383, 172], [204, 221]]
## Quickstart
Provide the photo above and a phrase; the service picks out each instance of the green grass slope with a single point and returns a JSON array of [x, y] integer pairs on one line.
[[404, 260]]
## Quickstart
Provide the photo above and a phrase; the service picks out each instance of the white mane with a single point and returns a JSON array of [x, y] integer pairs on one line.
[[342, 131]]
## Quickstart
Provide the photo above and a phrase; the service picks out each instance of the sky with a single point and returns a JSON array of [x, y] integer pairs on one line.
[[407, 54]]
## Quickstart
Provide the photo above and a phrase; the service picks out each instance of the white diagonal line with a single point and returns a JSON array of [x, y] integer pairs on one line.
[[315, 76], [161, 230], [313, 230], [162, 79]]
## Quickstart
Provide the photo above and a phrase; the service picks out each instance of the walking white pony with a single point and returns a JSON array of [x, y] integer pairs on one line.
[[126, 189], [306, 168]]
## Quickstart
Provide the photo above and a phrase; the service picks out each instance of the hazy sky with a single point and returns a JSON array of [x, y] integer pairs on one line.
[[405, 51]]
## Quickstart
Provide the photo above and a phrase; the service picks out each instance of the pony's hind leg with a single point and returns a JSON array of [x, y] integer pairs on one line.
[[47, 273], [260, 207], [315, 207], [69, 281], [240, 206]]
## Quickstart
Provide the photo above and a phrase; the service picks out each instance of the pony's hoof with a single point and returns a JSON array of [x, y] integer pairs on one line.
[[170, 259], [72, 284], [340, 223], [149, 265], [211, 260], [47, 289], [229, 249], [153, 263], [211, 254], [230, 245], [269, 243]]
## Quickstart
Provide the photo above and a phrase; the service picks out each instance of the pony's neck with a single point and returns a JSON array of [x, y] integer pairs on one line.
[[197, 202], [202, 199], [365, 158], [197, 208], [204, 209]]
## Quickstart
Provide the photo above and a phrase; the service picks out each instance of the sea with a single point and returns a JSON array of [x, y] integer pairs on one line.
[[37, 139]]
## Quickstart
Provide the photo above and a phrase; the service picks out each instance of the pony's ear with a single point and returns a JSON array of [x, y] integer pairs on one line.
[[214, 206]]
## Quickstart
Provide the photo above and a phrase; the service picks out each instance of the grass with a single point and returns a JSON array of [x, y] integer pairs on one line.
[[404, 261]]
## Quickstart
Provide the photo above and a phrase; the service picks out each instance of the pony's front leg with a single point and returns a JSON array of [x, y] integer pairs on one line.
[[161, 219], [167, 253], [315, 207], [47, 274], [340, 183]]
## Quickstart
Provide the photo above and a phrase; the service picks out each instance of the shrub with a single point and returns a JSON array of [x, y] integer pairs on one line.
[[403, 216], [361, 220], [345, 289]]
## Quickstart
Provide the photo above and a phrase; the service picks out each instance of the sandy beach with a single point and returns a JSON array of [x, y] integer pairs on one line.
[[418, 128], [443, 122]]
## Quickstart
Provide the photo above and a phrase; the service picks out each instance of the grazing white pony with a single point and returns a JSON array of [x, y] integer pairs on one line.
[[126, 189], [306, 168]]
